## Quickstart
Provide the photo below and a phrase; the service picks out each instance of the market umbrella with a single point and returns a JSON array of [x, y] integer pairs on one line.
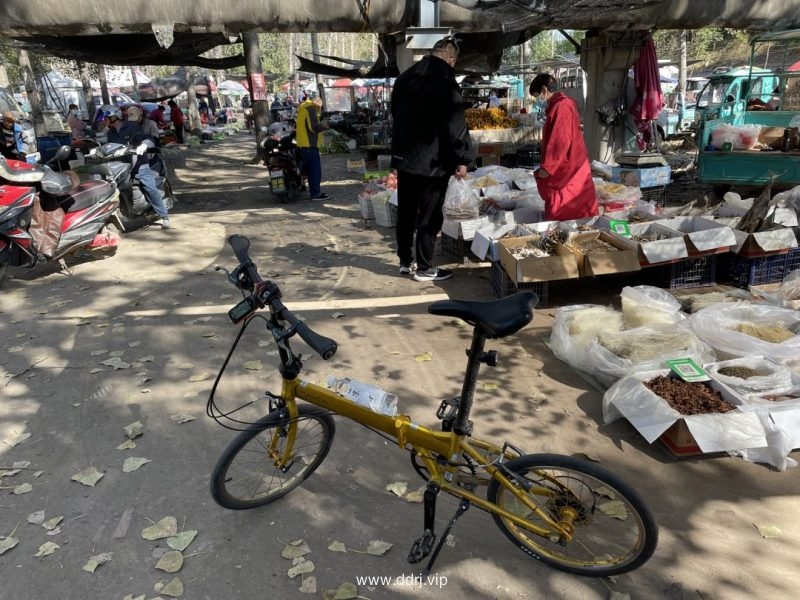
[[649, 100], [342, 83]]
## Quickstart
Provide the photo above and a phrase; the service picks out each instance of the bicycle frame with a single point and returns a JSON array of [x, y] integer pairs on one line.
[[427, 443]]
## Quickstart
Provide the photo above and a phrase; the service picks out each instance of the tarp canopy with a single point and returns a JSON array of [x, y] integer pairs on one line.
[[232, 87]]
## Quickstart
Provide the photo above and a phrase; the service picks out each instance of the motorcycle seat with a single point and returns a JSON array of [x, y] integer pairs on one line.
[[25, 174], [112, 170], [87, 194]]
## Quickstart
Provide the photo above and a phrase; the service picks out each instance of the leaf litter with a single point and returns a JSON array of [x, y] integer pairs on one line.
[[182, 540], [134, 463], [95, 561], [134, 430], [46, 549], [398, 488], [170, 562], [301, 567], [295, 549]]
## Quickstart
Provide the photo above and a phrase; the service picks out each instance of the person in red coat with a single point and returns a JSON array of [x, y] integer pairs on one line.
[[564, 177]]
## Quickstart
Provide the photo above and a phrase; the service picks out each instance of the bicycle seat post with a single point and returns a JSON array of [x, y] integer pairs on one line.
[[462, 425]]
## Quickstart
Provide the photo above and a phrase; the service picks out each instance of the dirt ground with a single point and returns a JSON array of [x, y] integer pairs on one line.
[[140, 336]]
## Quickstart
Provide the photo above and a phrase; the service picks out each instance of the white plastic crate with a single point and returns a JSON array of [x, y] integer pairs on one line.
[[365, 204], [385, 213]]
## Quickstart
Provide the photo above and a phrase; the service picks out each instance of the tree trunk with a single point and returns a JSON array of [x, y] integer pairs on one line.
[[191, 93], [86, 83], [258, 91], [682, 70], [104, 85], [315, 53], [33, 93], [135, 83]]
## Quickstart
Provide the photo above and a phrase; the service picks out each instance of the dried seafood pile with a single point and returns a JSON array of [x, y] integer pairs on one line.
[[537, 246], [489, 118], [643, 238], [595, 246], [688, 398]]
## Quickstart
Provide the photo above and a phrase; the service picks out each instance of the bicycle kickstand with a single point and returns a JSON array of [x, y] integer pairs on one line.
[[462, 508], [423, 546]]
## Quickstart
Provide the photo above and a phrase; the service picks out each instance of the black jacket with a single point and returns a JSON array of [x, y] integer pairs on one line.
[[429, 133]]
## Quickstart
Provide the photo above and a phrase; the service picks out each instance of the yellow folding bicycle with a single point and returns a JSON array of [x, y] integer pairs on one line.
[[565, 512]]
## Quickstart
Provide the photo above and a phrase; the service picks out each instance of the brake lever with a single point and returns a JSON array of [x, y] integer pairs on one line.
[[237, 277]]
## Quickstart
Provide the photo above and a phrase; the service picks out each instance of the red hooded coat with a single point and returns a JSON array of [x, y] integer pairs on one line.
[[568, 192]]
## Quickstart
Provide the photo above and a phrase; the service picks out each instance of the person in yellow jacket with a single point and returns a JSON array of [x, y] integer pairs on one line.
[[308, 128]]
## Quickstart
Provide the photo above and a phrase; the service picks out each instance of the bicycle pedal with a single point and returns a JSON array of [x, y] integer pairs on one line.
[[422, 547]]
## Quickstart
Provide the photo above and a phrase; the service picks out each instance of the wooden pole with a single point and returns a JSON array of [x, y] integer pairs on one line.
[[33, 93]]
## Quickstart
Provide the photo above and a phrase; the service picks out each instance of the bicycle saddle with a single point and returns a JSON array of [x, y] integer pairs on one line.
[[494, 318]]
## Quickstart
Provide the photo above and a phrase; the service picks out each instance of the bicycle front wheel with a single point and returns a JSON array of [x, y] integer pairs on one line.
[[613, 531], [247, 476]]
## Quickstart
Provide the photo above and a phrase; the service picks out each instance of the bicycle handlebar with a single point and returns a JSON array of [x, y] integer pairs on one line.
[[268, 293]]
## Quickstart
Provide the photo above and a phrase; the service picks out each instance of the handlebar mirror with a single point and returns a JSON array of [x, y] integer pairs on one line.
[[62, 153]]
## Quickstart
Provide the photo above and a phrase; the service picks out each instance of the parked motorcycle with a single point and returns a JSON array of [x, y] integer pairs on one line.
[[281, 158], [112, 162], [46, 215]]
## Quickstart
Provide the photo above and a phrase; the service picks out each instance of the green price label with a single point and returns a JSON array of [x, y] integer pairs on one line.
[[687, 369], [620, 227]]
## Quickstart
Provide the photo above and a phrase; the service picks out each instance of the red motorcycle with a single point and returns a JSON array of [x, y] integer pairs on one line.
[[46, 215]]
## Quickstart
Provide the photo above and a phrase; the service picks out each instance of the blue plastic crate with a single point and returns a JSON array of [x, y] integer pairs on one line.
[[503, 285], [743, 271], [693, 272]]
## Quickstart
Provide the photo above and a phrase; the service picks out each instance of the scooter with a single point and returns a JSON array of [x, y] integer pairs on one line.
[[282, 162], [46, 215], [111, 162]]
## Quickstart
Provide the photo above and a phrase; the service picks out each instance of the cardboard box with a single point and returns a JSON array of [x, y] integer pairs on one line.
[[641, 177], [703, 236], [772, 137], [668, 249], [654, 418], [764, 242], [464, 229], [562, 265], [679, 440], [624, 260], [484, 243]]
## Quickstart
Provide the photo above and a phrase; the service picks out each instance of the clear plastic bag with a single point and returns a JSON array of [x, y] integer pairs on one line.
[[720, 326], [776, 378], [648, 305], [461, 202]]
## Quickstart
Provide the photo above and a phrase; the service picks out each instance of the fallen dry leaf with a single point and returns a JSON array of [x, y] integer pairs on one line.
[[182, 540], [95, 561], [309, 585], [170, 562], [22, 488], [36, 518], [295, 549], [88, 477], [134, 430], [52, 523], [398, 488], [306, 566], [416, 496], [346, 591], [180, 418], [336, 546], [127, 445], [46, 549], [7, 543], [174, 588], [614, 509], [253, 365], [134, 463], [425, 356], [199, 377], [378, 547], [767, 530], [166, 527]]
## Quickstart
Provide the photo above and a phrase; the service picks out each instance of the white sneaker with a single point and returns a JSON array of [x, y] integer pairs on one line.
[[408, 269], [433, 274]]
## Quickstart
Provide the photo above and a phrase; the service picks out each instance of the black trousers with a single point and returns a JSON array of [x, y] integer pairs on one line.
[[419, 210]]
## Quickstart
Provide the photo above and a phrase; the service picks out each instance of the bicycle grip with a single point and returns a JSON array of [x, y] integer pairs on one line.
[[322, 345], [241, 247]]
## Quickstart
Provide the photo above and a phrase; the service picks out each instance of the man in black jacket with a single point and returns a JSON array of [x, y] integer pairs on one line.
[[430, 142]]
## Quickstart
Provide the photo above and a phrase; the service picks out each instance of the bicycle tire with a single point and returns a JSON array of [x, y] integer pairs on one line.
[[244, 477], [599, 537]]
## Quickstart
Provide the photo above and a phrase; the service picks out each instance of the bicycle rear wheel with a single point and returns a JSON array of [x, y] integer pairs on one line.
[[614, 531], [246, 475]]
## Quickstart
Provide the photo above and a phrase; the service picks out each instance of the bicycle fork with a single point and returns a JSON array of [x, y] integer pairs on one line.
[[423, 546]]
